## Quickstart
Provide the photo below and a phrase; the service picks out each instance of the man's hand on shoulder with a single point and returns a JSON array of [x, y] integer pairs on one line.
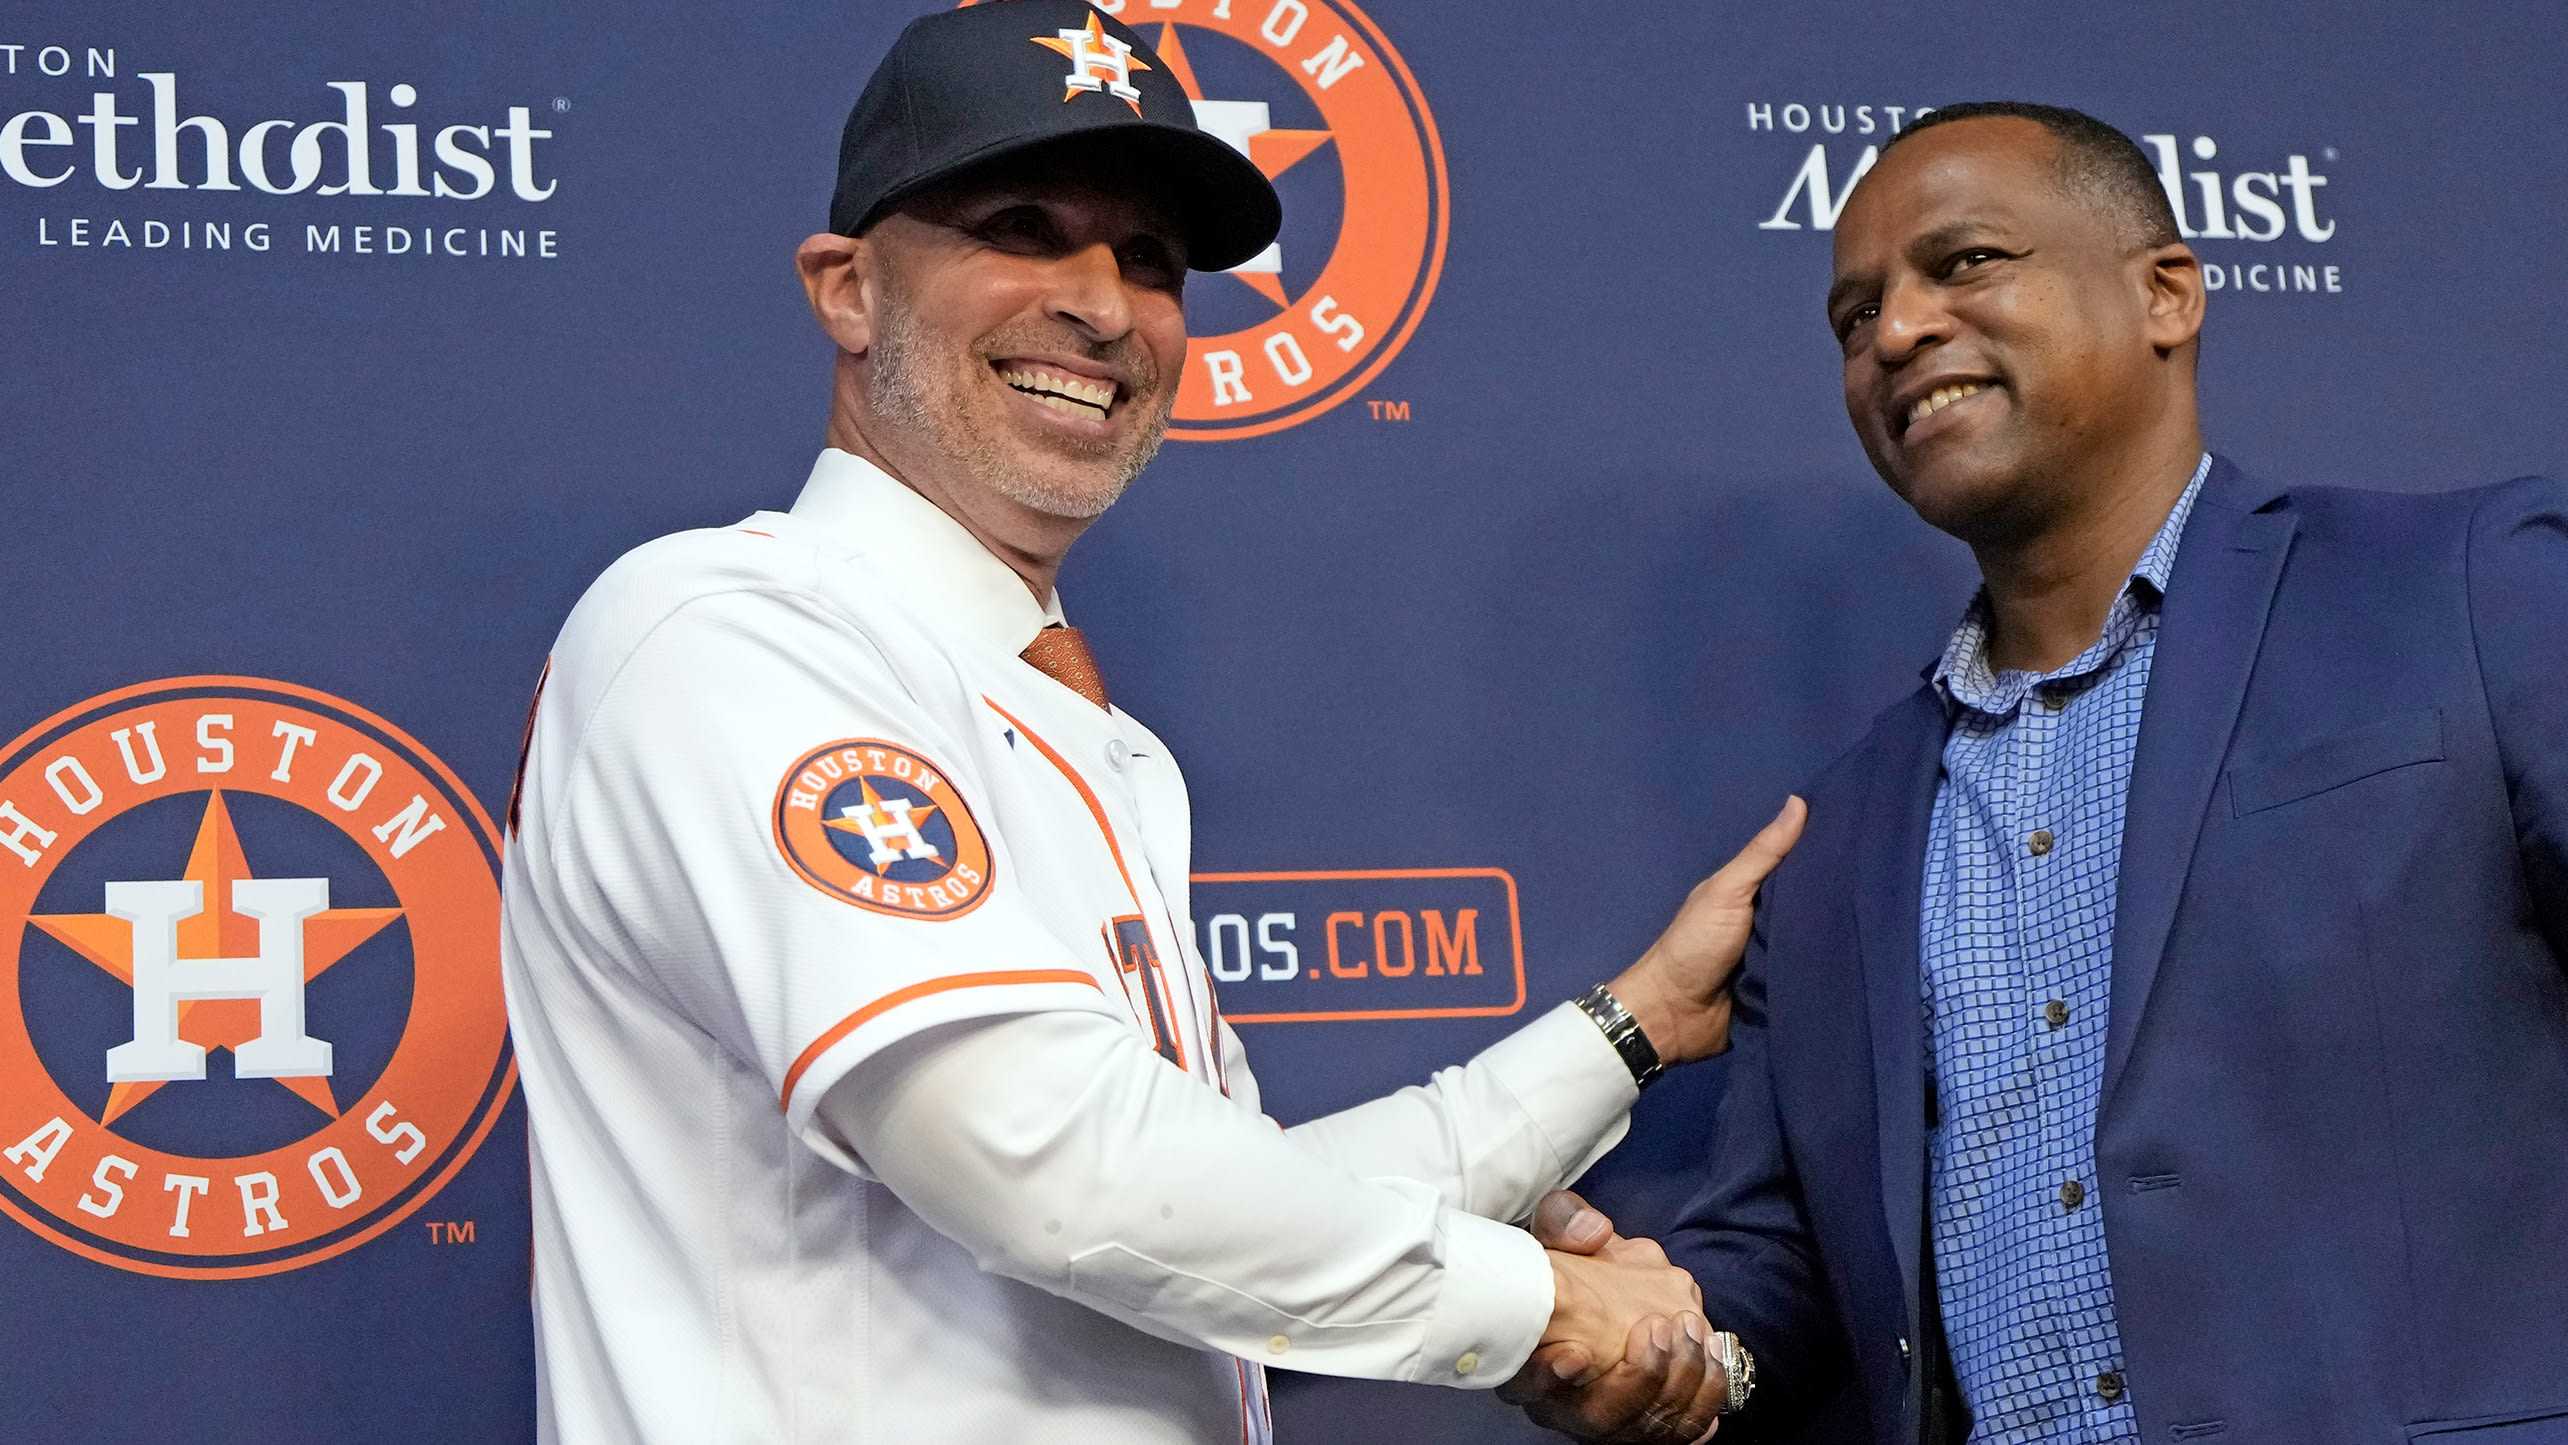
[[1679, 991], [1659, 1385]]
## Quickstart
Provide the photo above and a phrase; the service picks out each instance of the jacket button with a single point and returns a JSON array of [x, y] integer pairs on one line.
[[2072, 1194], [2108, 1386]]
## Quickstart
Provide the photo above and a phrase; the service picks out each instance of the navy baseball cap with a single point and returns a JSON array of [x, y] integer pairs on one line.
[[964, 87]]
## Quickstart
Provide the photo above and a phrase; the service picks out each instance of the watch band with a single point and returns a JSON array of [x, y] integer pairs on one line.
[[1738, 1367], [1624, 1032]]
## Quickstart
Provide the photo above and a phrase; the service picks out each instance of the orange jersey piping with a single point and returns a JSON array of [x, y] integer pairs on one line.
[[914, 992], [1097, 811]]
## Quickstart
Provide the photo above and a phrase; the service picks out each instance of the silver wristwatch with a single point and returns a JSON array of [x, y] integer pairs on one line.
[[1624, 1032], [1738, 1366]]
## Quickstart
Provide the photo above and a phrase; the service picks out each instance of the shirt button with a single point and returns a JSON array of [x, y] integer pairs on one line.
[[2109, 1385], [1117, 754], [1278, 1345], [2055, 1013], [2039, 843], [2072, 1194], [1468, 1363]]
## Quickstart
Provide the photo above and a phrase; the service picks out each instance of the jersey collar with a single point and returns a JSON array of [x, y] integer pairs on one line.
[[909, 541]]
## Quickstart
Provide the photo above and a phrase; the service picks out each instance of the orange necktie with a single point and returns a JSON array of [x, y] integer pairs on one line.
[[1060, 653]]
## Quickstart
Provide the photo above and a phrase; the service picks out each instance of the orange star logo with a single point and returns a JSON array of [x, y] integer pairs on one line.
[[1272, 150], [216, 932], [215, 960], [884, 793], [1098, 62], [877, 819]]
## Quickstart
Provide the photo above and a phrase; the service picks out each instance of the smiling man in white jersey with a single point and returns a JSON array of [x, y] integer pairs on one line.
[[877, 1091]]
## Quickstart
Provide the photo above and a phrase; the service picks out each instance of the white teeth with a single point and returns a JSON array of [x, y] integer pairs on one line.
[[1074, 395], [1940, 398]]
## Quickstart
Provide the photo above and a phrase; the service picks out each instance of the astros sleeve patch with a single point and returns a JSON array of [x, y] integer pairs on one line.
[[871, 823]]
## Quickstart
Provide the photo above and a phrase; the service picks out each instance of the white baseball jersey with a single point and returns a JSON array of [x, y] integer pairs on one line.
[[877, 1090]]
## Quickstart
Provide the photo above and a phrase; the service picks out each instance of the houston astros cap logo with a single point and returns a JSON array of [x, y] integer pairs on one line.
[[871, 823], [967, 88], [233, 866], [1098, 61], [1312, 92]]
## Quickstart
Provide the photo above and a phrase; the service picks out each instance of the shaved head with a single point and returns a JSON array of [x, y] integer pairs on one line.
[[2098, 167]]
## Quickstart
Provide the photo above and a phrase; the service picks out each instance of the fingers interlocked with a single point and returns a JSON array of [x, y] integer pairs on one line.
[[1666, 1389]]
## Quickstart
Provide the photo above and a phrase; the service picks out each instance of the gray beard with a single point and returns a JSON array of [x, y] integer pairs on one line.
[[905, 361]]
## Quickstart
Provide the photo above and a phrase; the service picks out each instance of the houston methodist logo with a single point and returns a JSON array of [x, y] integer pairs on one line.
[[870, 823], [376, 166], [1314, 95], [2212, 202], [234, 866]]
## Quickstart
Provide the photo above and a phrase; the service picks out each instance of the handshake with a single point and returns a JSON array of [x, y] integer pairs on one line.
[[1627, 1358]]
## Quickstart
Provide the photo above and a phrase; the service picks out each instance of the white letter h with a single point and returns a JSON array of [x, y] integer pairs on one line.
[[162, 979], [1109, 69]]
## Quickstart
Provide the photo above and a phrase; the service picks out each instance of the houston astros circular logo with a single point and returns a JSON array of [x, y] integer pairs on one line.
[[1313, 93], [870, 823], [250, 1011]]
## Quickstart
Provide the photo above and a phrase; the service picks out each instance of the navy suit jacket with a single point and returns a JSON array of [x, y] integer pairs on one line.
[[2332, 1148]]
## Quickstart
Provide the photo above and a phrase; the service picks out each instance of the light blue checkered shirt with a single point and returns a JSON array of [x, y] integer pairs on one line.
[[2016, 930]]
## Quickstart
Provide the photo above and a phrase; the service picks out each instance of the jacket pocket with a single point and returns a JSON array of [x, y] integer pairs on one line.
[[2538, 1427], [2398, 741]]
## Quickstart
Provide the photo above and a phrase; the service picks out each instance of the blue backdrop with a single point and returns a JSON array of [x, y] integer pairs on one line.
[[1559, 575]]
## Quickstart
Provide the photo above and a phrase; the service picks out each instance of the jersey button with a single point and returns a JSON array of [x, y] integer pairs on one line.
[[1117, 754], [1278, 1345], [1468, 1363]]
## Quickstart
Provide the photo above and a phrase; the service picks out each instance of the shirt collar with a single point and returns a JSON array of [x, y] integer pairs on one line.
[[909, 542], [1964, 675]]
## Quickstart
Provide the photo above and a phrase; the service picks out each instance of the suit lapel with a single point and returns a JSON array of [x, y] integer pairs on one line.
[[1889, 878], [2218, 597]]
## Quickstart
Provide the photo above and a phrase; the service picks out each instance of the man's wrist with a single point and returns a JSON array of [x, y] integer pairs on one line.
[[1622, 1028], [1496, 1301]]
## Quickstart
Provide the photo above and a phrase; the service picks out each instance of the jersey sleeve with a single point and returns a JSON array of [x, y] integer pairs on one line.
[[1065, 1154], [764, 824], [1531, 1114]]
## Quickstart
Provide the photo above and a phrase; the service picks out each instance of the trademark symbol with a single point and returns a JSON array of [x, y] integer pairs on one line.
[[561, 104], [1389, 410], [450, 1231]]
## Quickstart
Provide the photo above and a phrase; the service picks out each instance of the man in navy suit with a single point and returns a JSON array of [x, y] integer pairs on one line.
[[2161, 1032]]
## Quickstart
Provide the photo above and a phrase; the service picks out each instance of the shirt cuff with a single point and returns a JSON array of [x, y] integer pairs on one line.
[[1493, 1308], [1569, 1080]]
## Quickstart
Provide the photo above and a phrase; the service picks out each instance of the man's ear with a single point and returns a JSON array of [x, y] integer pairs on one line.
[[2176, 296], [838, 275]]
